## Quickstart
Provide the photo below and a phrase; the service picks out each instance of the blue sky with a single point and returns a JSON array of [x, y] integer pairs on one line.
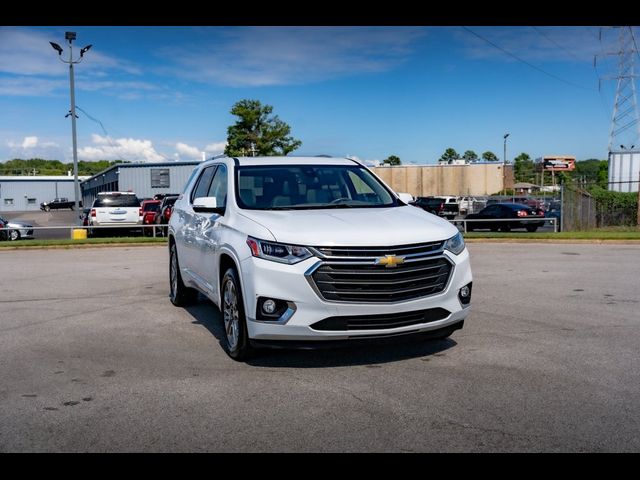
[[370, 92]]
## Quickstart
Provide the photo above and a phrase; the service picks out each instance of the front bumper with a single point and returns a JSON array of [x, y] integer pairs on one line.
[[263, 278]]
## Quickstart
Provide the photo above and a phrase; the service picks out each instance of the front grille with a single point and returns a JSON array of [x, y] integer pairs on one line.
[[381, 322], [352, 275]]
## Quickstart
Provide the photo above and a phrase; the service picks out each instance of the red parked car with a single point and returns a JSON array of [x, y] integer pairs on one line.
[[150, 210]]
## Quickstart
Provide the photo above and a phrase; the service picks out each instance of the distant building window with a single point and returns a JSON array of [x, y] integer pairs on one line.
[[8, 201], [31, 201], [160, 178]]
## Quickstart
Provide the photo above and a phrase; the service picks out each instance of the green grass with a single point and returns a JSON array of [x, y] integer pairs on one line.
[[68, 243], [613, 233]]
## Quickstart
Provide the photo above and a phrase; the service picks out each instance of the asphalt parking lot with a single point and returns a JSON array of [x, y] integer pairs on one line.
[[93, 357]]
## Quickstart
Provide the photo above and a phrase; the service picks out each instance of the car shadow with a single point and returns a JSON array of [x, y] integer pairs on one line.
[[369, 352]]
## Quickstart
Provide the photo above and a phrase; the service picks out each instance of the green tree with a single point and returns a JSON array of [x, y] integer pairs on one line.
[[257, 132], [524, 168], [449, 155], [470, 156], [392, 160], [489, 157]]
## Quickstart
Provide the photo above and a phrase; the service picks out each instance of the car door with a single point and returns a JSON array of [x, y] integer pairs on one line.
[[190, 226], [208, 237], [492, 211]]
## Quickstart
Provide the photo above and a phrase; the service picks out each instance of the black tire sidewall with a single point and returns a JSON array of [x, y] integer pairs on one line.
[[242, 349]]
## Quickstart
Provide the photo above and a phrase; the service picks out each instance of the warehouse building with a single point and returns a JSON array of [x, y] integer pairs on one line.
[[25, 193], [144, 179]]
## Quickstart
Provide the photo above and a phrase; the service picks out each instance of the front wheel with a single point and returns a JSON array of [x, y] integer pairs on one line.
[[179, 294], [235, 323], [47, 208]]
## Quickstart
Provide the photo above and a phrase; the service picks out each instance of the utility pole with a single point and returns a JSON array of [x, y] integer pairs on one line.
[[70, 37], [504, 166]]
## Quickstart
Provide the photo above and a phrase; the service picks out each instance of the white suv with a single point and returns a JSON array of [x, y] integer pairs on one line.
[[296, 249], [111, 209]]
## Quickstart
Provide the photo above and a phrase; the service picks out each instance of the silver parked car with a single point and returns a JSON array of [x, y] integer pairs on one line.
[[16, 229]]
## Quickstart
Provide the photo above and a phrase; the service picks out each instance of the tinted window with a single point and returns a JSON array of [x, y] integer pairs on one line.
[[202, 187], [309, 186], [151, 207], [218, 187], [116, 201]]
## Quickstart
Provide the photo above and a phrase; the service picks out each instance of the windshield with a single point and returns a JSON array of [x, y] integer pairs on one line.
[[116, 201], [299, 187]]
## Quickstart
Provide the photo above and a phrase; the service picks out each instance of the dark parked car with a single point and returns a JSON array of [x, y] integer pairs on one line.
[[58, 203], [446, 207], [166, 208], [15, 229], [503, 211]]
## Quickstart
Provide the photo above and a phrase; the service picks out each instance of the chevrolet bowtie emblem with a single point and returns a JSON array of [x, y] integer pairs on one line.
[[389, 261]]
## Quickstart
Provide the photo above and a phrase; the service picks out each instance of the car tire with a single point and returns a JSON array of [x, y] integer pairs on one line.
[[531, 229], [236, 340], [14, 235], [47, 208], [505, 228], [179, 294]]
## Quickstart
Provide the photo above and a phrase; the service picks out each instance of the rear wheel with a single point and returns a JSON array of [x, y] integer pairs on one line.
[[235, 323], [531, 228], [505, 228], [14, 235], [180, 295]]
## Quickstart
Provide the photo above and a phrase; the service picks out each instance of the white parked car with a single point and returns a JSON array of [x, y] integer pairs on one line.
[[297, 249], [121, 209]]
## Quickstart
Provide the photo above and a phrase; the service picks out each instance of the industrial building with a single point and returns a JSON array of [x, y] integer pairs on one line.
[[144, 179], [25, 193]]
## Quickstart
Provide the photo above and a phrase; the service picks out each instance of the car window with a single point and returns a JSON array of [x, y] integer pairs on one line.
[[308, 187], [116, 201], [218, 188], [203, 183]]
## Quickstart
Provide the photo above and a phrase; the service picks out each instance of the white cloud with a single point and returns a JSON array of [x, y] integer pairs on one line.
[[256, 56], [368, 163], [187, 151], [539, 44], [26, 51], [131, 149], [31, 86], [30, 142], [215, 147]]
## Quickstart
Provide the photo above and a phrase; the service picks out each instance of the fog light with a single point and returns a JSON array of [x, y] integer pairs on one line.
[[269, 306], [464, 294]]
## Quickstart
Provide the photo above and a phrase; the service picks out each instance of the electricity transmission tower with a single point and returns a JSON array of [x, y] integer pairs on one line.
[[625, 122]]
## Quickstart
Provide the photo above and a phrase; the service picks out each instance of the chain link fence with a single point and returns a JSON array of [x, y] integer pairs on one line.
[[587, 206]]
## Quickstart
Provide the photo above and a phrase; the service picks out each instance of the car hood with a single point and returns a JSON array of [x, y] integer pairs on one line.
[[353, 226]]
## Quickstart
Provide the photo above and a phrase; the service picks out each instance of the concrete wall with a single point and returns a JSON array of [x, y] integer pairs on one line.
[[18, 194], [458, 180]]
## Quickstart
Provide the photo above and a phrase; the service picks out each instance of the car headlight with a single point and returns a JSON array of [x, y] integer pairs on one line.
[[455, 244], [278, 252]]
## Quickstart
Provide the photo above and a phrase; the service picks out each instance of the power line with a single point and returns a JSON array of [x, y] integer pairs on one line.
[[114, 146], [556, 43], [524, 61]]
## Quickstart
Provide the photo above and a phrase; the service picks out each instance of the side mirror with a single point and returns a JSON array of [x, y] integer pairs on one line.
[[405, 197], [207, 205]]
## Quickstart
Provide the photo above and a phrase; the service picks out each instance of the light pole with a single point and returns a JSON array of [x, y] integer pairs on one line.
[[70, 37], [504, 165]]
